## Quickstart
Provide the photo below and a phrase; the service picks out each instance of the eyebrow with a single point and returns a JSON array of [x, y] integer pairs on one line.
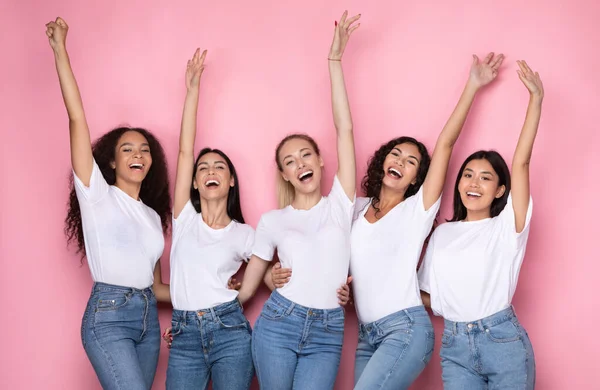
[[216, 162], [131, 144], [482, 172], [301, 150], [409, 156]]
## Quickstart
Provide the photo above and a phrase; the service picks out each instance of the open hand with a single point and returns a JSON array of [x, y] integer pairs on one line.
[[531, 80], [280, 276], [484, 72], [195, 67], [342, 33]]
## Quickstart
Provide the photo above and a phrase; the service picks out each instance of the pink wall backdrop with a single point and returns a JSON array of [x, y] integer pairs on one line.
[[266, 76]]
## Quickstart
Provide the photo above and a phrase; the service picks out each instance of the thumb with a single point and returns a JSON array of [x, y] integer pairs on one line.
[[475, 60], [349, 280], [277, 266], [61, 22]]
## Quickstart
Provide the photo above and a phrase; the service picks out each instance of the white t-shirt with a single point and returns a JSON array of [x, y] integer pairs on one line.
[[471, 268], [123, 237], [314, 243], [203, 259], [385, 254]]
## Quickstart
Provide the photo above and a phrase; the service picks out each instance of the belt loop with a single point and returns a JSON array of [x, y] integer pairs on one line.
[[410, 317], [290, 308], [214, 315], [454, 329], [481, 326]]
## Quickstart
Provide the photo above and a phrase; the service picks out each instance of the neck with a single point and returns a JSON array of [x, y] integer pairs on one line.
[[389, 199], [214, 213], [477, 215], [307, 201], [131, 189]]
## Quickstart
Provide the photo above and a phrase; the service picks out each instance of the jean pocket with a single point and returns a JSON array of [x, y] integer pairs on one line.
[[447, 339], [429, 345], [504, 332], [335, 325], [232, 320], [112, 301], [273, 311]]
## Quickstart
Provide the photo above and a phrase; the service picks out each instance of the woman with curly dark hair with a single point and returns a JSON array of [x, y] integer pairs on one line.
[[119, 209], [403, 189]]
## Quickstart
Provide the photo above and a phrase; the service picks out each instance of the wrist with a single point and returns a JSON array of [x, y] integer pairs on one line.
[[60, 50], [536, 98], [472, 85]]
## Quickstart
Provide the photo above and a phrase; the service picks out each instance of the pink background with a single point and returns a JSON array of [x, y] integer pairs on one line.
[[266, 76]]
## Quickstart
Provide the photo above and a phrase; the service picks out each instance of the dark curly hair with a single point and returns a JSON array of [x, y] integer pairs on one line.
[[501, 169], [234, 208], [373, 179], [154, 191]]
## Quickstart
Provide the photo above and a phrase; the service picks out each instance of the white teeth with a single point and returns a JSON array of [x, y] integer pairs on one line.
[[305, 174], [136, 166], [395, 171], [209, 182], [473, 194]]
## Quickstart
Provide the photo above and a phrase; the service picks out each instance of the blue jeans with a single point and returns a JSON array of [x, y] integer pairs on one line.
[[392, 351], [121, 336], [210, 343], [491, 353], [296, 347]]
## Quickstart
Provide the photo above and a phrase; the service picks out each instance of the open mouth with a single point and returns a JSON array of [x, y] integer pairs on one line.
[[137, 167], [211, 183], [394, 173], [473, 195], [305, 176]]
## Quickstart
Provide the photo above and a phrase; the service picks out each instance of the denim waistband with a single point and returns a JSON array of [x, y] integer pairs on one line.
[[482, 324], [210, 314], [406, 314], [303, 311], [105, 287]]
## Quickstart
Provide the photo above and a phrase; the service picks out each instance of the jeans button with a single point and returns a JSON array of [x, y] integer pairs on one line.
[[369, 328], [470, 326]]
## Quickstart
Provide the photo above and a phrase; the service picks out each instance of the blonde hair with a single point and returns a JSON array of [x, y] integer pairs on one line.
[[285, 190]]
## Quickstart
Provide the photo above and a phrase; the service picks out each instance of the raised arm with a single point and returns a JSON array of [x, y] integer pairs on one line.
[[481, 74], [254, 274], [341, 108], [82, 159], [520, 166], [185, 159]]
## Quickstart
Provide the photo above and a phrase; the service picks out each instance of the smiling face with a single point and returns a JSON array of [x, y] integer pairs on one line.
[[213, 177], [132, 158], [401, 166], [300, 165], [479, 186]]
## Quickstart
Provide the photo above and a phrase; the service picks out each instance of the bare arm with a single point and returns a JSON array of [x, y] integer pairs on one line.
[[81, 147], [426, 298], [342, 117], [480, 75], [162, 291], [254, 274], [187, 137], [520, 165]]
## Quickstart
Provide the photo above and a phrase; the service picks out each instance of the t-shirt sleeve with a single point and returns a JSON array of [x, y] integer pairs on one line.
[[247, 253], [507, 218], [264, 245], [186, 215], [425, 273], [360, 206], [343, 206], [95, 191], [419, 207]]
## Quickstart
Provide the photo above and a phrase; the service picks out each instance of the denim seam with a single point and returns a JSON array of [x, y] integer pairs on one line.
[[398, 360], [106, 356]]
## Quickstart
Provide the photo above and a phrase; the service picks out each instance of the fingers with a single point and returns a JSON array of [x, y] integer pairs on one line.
[[343, 18], [488, 58], [352, 20], [277, 265], [475, 60], [61, 22], [343, 294], [202, 57], [497, 61], [351, 30], [349, 280]]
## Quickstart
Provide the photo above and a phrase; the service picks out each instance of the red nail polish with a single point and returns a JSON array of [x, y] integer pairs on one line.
[[336, 23]]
